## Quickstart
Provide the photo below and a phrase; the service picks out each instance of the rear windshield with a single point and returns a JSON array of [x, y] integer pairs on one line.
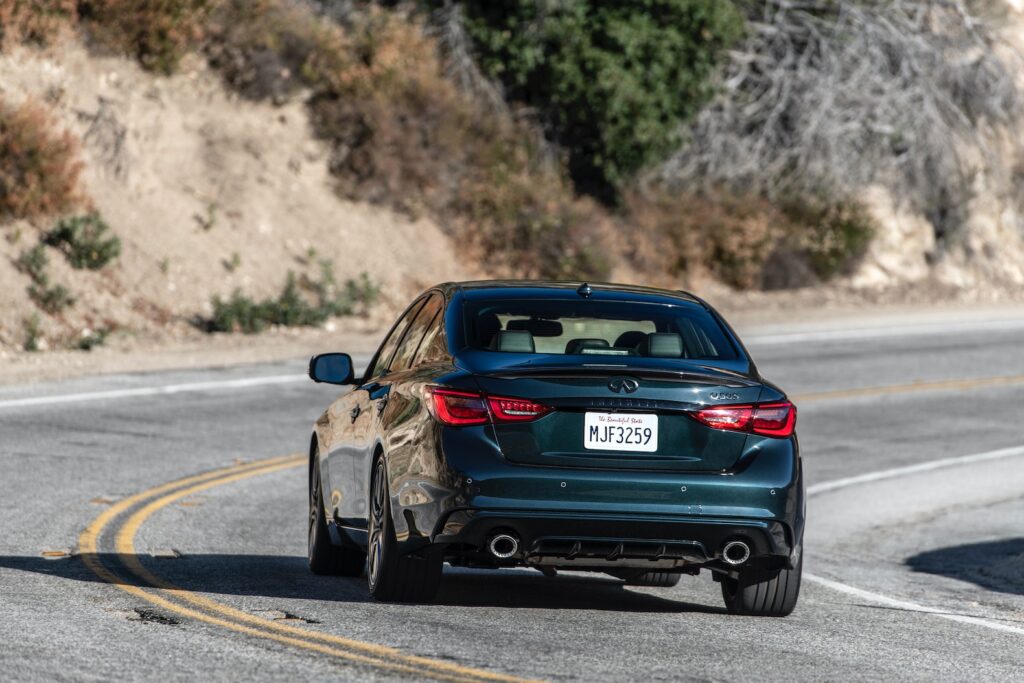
[[595, 328]]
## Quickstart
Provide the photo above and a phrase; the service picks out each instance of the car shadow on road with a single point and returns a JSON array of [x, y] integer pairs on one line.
[[993, 565], [282, 576]]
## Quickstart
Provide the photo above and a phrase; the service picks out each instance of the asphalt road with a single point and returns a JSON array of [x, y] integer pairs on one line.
[[915, 555]]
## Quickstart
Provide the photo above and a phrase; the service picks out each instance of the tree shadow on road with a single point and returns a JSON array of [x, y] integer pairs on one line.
[[993, 565], [277, 576]]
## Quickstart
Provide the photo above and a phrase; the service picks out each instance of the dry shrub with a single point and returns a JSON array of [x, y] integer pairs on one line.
[[750, 242], [269, 48], [39, 167], [403, 134], [35, 21], [837, 95], [716, 235], [157, 32]]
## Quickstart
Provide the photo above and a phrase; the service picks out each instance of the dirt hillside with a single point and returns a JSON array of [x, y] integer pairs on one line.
[[207, 192]]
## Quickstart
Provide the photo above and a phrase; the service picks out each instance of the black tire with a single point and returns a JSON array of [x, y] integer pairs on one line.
[[392, 577], [325, 558], [763, 592], [655, 579]]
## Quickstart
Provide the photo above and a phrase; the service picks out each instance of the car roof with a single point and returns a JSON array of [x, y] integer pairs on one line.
[[486, 289]]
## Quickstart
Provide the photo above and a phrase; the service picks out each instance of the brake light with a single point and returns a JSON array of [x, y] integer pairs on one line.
[[516, 409], [726, 417], [463, 408], [767, 419], [459, 408], [775, 419]]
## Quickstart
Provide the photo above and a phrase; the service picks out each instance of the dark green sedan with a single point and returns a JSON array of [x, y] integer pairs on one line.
[[558, 426]]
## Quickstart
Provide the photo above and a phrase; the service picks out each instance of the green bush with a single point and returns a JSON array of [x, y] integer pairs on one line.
[[92, 339], [33, 263], [293, 308], [611, 80], [51, 298], [33, 332], [84, 241]]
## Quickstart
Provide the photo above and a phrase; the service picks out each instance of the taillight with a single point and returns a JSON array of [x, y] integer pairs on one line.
[[462, 408], [766, 419], [516, 409], [726, 417], [459, 408], [775, 419]]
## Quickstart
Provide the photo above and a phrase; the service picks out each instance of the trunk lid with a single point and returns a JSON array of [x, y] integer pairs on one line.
[[560, 438]]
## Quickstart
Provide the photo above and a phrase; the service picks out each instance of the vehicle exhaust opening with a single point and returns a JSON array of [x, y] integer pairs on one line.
[[503, 546], [736, 553]]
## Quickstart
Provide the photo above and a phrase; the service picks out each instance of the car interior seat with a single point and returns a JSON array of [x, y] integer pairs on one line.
[[513, 341]]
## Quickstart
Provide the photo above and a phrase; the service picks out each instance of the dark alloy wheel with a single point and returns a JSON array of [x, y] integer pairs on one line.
[[325, 557], [763, 592], [390, 576]]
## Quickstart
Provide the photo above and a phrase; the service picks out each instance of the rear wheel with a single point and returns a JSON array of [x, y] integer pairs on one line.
[[392, 577], [325, 557], [763, 592], [655, 579]]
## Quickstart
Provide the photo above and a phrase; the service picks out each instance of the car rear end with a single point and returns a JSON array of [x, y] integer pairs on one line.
[[617, 429]]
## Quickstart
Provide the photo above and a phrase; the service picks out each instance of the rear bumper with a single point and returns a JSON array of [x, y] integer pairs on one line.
[[596, 541], [553, 509]]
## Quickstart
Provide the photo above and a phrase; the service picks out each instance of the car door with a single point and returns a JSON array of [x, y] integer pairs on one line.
[[352, 433], [379, 393]]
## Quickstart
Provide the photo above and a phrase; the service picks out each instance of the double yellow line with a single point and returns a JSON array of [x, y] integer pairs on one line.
[[912, 388], [186, 603]]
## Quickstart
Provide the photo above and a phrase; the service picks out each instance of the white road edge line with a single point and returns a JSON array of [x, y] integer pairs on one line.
[[914, 469], [923, 329], [894, 473], [910, 606], [153, 391]]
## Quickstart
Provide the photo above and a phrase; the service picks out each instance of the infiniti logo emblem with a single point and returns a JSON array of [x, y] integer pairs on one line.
[[623, 385]]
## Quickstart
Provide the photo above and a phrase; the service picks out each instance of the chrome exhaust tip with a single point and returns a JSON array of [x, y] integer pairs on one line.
[[736, 553], [503, 546]]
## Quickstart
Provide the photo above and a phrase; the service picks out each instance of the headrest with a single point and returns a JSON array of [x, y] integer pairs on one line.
[[576, 346], [486, 326], [513, 341], [538, 327], [631, 339], [664, 345]]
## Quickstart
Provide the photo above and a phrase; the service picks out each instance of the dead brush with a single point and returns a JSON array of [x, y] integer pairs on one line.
[[156, 32], [34, 21], [833, 95], [39, 166]]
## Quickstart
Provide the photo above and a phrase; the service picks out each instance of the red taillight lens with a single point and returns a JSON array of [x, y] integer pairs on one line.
[[459, 408], [463, 408], [775, 419], [726, 417], [516, 409], [767, 419]]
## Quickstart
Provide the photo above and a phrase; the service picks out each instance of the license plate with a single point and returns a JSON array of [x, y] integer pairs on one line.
[[621, 432]]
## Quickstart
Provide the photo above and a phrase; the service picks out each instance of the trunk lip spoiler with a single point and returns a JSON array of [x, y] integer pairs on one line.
[[714, 377]]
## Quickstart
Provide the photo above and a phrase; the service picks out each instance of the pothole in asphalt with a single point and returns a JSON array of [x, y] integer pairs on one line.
[[281, 615], [147, 616]]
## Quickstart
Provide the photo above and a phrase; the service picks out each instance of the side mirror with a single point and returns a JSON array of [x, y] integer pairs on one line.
[[331, 368]]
